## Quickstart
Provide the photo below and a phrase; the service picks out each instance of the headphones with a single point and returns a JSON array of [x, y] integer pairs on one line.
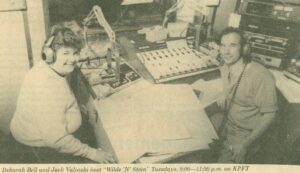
[[48, 55], [245, 46]]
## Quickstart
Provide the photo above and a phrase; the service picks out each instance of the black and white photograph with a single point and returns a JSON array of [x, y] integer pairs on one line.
[[155, 82]]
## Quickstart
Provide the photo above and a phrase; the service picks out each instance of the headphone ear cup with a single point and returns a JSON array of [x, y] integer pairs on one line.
[[48, 55], [246, 50]]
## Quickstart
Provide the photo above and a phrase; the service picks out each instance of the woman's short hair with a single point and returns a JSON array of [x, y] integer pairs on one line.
[[64, 37]]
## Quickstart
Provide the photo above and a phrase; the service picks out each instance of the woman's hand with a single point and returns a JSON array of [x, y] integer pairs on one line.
[[104, 157]]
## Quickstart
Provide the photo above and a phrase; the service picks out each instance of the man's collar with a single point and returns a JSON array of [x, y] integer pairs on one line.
[[236, 67]]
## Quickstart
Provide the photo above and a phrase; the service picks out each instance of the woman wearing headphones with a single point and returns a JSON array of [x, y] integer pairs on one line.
[[47, 113]]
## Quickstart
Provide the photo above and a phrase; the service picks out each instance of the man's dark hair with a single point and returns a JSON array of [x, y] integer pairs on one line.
[[243, 42]]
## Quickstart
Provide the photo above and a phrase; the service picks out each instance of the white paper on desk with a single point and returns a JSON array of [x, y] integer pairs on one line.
[[210, 90], [154, 118]]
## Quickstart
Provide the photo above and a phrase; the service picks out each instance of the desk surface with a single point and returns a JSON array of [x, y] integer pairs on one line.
[[131, 59], [177, 121], [289, 88]]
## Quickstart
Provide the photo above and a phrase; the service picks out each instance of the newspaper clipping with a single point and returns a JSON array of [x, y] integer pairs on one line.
[[149, 86]]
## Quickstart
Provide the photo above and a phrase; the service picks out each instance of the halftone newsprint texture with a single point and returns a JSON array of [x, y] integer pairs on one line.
[[139, 124]]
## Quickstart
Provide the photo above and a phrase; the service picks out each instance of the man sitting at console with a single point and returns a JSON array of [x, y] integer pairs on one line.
[[249, 101]]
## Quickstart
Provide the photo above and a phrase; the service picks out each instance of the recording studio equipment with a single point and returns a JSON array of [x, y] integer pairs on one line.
[[112, 58], [96, 75], [268, 53], [294, 2], [105, 72], [139, 14], [174, 59], [293, 70], [188, 11], [268, 45], [271, 28], [288, 11]]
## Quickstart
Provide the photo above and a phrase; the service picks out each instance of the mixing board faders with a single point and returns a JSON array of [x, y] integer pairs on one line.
[[167, 64]]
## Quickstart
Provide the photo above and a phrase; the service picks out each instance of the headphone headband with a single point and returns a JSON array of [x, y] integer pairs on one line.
[[48, 53], [49, 41]]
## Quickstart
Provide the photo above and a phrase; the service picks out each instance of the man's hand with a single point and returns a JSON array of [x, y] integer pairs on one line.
[[104, 157], [239, 152]]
